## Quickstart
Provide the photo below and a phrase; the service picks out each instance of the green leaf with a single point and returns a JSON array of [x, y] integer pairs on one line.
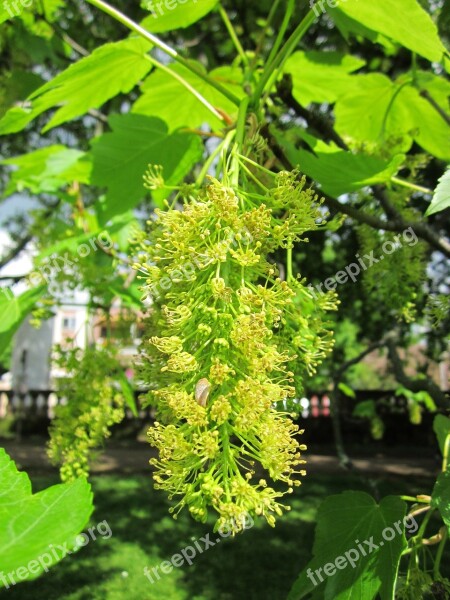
[[365, 410], [46, 170], [175, 14], [17, 85], [441, 196], [13, 310], [405, 22], [89, 83], [10, 9], [440, 498], [321, 76], [165, 97], [338, 171], [121, 158], [345, 523], [29, 524], [131, 296], [128, 393], [50, 9], [4, 13], [349, 27], [375, 110], [346, 390], [441, 427], [421, 397]]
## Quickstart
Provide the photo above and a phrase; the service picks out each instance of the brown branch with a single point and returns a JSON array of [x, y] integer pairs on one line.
[[318, 122], [25, 240], [435, 105], [421, 229], [13, 278], [397, 224], [15, 251], [326, 130]]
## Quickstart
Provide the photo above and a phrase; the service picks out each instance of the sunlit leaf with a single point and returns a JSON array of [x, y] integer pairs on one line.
[[343, 522], [441, 197], [30, 524], [121, 158], [175, 14], [88, 83], [166, 98]]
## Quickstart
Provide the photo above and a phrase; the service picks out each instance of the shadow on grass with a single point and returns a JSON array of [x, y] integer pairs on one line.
[[260, 564]]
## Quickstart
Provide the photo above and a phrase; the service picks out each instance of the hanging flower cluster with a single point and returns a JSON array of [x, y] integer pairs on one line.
[[94, 403], [227, 334]]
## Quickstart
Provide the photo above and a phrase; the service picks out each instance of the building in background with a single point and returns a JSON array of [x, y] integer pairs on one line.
[[72, 325], [31, 358]]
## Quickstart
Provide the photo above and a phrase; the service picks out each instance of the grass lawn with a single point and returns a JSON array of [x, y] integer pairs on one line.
[[260, 564]]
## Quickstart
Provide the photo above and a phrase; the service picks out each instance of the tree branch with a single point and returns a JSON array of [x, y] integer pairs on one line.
[[397, 223], [15, 251], [435, 105], [415, 385]]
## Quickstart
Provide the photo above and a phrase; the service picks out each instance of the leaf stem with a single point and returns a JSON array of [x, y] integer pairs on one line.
[[233, 35], [412, 186], [289, 274], [279, 60], [188, 86], [240, 135], [224, 144], [391, 104], [253, 177], [413, 499], [282, 31], [255, 164], [446, 453], [133, 26], [263, 34], [439, 553]]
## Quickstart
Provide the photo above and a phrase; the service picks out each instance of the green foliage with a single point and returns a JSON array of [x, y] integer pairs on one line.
[[46, 170], [164, 95], [30, 523], [235, 339], [441, 496], [415, 402], [337, 171], [367, 409], [400, 22], [441, 197], [441, 427], [94, 403], [89, 83], [178, 16], [321, 76], [344, 522], [122, 171], [402, 256], [345, 389], [402, 115]]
